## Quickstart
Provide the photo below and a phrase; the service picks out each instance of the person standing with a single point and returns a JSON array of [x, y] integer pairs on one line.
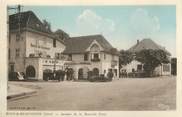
[[110, 75]]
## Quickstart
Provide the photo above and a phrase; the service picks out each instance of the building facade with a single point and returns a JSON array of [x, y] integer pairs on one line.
[[136, 66], [34, 49], [91, 53]]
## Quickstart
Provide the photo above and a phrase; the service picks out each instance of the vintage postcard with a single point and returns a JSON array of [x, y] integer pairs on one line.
[[89, 59]]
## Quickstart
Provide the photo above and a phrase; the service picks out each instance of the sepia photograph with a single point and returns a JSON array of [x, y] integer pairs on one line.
[[91, 58]]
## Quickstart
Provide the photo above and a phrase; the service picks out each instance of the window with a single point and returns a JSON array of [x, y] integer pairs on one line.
[[17, 52], [17, 37], [139, 67], [104, 56], [54, 42], [70, 57], [96, 56], [85, 57]]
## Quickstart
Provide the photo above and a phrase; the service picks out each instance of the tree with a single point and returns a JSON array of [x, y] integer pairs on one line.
[[113, 51], [151, 59], [125, 57]]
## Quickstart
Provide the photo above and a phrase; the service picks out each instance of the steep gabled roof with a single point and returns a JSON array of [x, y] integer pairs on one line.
[[27, 20], [147, 44], [80, 44]]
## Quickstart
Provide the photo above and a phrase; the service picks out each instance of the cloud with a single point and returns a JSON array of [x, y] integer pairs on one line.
[[88, 22], [144, 23]]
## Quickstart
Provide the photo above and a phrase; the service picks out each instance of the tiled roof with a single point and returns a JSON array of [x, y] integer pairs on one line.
[[80, 44], [27, 20], [146, 44]]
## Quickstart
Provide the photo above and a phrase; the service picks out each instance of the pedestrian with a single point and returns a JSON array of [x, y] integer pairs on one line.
[[62, 75], [110, 75], [54, 75]]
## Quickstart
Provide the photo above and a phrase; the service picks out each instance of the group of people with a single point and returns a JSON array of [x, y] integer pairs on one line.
[[61, 75], [67, 74], [124, 74]]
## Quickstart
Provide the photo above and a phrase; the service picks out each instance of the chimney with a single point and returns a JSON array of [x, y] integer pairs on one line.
[[138, 42]]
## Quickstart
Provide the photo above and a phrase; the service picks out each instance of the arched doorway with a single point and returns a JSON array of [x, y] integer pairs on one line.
[[96, 72], [80, 74], [30, 71]]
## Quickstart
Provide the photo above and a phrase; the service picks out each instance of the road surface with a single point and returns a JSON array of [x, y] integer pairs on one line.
[[120, 95]]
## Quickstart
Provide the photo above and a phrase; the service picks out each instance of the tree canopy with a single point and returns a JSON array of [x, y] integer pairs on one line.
[[125, 57], [151, 59]]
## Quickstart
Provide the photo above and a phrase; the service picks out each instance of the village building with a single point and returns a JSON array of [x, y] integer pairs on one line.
[[91, 53], [33, 47], [34, 50], [136, 66]]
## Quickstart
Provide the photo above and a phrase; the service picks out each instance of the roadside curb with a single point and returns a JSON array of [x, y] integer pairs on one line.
[[21, 94]]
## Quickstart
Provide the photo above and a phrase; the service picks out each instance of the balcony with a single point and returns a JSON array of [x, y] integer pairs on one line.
[[95, 60]]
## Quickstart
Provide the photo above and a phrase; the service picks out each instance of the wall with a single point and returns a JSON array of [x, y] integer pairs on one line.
[[78, 57], [35, 63], [160, 69], [14, 44], [38, 43], [131, 65], [103, 64], [107, 62]]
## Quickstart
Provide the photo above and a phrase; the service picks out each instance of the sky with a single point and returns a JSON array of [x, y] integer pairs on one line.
[[122, 26]]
